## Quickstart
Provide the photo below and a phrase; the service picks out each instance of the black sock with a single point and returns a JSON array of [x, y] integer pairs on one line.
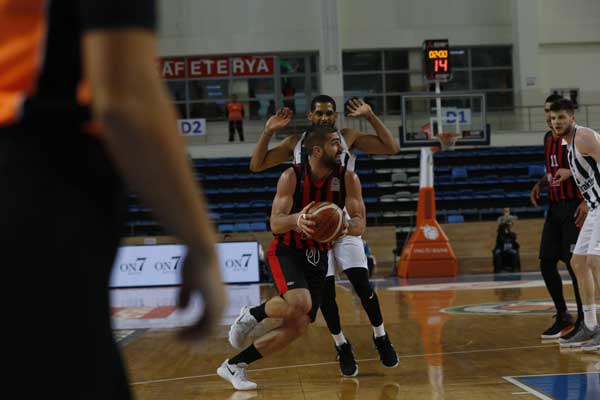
[[329, 307], [259, 312], [249, 355], [576, 290], [554, 284], [359, 277]]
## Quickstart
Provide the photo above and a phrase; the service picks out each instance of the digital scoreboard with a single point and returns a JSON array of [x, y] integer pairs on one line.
[[436, 60]]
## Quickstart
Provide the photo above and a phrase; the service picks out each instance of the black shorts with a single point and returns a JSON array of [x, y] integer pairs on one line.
[[299, 269], [560, 232]]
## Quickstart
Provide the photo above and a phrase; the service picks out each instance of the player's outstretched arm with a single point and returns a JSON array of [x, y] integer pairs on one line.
[[281, 219], [381, 143], [262, 157], [355, 206], [140, 132]]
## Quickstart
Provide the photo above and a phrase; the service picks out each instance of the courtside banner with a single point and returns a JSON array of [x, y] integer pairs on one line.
[[160, 265]]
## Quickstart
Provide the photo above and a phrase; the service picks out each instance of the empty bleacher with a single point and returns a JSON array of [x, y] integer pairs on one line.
[[470, 184]]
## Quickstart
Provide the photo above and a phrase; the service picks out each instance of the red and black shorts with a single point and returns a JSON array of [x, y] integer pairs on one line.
[[299, 269]]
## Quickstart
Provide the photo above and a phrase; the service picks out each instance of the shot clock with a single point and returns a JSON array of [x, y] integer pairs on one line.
[[436, 60]]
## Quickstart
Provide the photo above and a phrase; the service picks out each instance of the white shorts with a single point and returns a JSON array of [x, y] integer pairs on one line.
[[589, 236], [348, 252]]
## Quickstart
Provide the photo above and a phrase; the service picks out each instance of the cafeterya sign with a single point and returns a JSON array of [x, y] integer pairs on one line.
[[211, 67]]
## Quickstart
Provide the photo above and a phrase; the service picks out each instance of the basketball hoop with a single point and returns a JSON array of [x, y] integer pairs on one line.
[[448, 140]]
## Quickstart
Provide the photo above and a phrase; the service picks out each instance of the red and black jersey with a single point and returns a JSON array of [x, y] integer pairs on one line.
[[556, 158], [331, 189]]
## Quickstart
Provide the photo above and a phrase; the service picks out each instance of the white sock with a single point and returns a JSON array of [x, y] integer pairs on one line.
[[379, 331], [339, 339], [589, 316]]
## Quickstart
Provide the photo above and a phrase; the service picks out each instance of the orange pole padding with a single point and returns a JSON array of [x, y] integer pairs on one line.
[[428, 252]]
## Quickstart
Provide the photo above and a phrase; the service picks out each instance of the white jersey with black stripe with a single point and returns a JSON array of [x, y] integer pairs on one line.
[[586, 173], [348, 159]]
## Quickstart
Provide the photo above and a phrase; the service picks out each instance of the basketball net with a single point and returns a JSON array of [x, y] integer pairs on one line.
[[448, 140]]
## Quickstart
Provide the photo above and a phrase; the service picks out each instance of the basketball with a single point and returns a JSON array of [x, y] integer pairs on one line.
[[329, 221]]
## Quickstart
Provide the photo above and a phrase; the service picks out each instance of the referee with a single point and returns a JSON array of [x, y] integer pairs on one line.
[[566, 213]]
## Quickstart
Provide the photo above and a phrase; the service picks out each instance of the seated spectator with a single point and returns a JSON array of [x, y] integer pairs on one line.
[[506, 217], [506, 251]]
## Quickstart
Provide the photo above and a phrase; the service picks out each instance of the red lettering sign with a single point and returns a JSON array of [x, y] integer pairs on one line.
[[206, 67], [171, 68], [210, 67], [253, 66]]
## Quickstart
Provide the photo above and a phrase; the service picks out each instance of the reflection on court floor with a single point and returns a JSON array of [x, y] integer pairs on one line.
[[461, 338]]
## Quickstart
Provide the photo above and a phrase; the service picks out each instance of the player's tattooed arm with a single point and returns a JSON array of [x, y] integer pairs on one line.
[[355, 206], [281, 219]]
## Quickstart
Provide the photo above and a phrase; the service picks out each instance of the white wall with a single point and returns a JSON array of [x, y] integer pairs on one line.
[[572, 66], [206, 27], [569, 36], [572, 21], [255, 26], [394, 23]]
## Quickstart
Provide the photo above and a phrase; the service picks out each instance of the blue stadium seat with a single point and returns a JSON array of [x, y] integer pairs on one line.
[[459, 173], [456, 218], [536, 170], [258, 226], [242, 227], [224, 228]]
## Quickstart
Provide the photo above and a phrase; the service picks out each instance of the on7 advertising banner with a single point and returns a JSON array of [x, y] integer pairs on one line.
[[161, 264]]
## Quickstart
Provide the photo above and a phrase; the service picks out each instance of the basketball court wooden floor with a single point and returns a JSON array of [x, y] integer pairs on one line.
[[473, 337]]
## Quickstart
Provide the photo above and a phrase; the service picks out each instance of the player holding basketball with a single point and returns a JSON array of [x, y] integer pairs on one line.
[[567, 211], [584, 160], [298, 264], [348, 252]]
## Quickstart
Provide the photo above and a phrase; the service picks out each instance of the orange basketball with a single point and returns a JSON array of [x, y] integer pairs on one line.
[[329, 221]]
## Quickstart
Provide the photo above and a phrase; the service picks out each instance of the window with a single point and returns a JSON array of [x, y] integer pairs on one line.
[[483, 69], [370, 75], [396, 59], [361, 61], [459, 58], [291, 65], [177, 89], [492, 79], [210, 110], [383, 75], [460, 81], [209, 89], [397, 83], [262, 83], [363, 84], [181, 109], [500, 56]]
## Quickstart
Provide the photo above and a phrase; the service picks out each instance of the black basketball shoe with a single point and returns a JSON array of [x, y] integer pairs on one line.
[[562, 325], [348, 366], [386, 351], [572, 332]]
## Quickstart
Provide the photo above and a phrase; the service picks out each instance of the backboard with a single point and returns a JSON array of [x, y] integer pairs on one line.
[[461, 112]]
